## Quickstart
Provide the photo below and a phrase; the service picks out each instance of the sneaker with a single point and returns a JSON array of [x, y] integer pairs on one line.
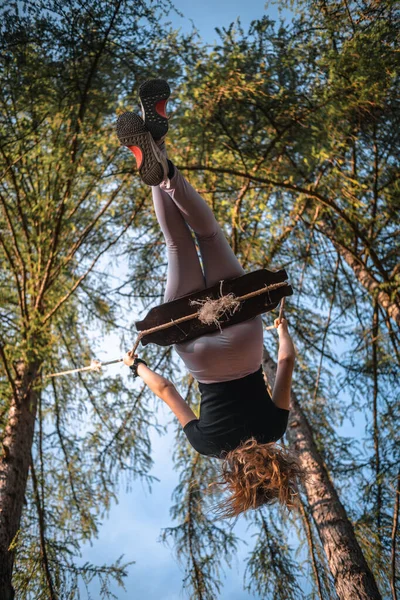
[[133, 133], [154, 95]]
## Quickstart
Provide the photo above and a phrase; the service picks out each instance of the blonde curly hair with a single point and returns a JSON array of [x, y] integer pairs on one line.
[[258, 474]]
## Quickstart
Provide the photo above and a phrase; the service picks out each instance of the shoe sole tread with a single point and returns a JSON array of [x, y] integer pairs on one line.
[[150, 93], [131, 131]]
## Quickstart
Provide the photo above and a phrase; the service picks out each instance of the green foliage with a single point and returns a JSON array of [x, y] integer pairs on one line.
[[199, 543], [271, 570], [293, 141], [66, 200], [290, 133]]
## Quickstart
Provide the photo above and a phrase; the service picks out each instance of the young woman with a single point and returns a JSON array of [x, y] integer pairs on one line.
[[239, 421]]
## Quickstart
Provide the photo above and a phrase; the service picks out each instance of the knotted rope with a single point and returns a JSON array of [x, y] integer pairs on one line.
[[210, 312], [280, 313], [95, 365]]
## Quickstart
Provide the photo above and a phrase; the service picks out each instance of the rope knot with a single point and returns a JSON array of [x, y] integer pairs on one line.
[[95, 365], [211, 310]]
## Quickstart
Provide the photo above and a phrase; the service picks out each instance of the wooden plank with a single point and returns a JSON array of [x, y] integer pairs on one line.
[[239, 286]]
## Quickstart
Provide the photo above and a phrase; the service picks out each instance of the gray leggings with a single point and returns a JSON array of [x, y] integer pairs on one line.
[[237, 351]]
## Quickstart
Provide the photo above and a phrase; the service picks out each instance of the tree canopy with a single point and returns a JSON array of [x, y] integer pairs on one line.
[[290, 133]]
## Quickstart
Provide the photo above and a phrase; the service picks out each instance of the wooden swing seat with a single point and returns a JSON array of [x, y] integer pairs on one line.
[[239, 286]]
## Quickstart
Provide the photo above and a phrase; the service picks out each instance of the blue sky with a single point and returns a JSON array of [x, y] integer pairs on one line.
[[206, 15], [134, 524]]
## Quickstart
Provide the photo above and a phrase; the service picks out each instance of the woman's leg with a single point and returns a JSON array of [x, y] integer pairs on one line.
[[237, 350], [185, 274], [219, 260]]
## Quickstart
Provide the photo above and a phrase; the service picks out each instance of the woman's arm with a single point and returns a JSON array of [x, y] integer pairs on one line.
[[177, 404], [286, 358], [164, 389]]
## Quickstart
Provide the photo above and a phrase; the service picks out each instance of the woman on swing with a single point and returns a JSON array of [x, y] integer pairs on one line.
[[239, 421]]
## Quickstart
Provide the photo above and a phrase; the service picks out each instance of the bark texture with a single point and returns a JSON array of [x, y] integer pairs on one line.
[[365, 278], [353, 578], [14, 467], [370, 284]]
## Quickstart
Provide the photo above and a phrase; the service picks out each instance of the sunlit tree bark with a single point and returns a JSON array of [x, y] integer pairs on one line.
[[351, 574], [66, 72]]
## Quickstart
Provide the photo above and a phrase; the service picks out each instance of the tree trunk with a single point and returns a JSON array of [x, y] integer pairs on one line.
[[370, 284], [364, 277], [352, 577], [14, 466]]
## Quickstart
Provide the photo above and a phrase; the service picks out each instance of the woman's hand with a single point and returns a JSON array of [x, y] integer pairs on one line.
[[281, 325], [286, 358], [129, 358], [286, 348]]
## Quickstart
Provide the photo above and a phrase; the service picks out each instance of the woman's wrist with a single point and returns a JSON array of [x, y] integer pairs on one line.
[[282, 333], [136, 364], [141, 368]]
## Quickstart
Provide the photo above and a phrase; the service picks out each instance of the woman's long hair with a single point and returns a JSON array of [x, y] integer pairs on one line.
[[256, 474]]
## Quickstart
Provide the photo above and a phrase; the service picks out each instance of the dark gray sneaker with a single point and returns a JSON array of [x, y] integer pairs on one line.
[[133, 133], [154, 94]]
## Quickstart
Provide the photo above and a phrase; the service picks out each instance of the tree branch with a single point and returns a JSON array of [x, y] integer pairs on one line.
[[393, 539], [43, 549], [83, 277], [311, 547], [84, 234], [9, 376], [17, 252], [300, 190]]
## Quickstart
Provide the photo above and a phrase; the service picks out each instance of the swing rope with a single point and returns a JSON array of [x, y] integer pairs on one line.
[[280, 314], [96, 365]]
